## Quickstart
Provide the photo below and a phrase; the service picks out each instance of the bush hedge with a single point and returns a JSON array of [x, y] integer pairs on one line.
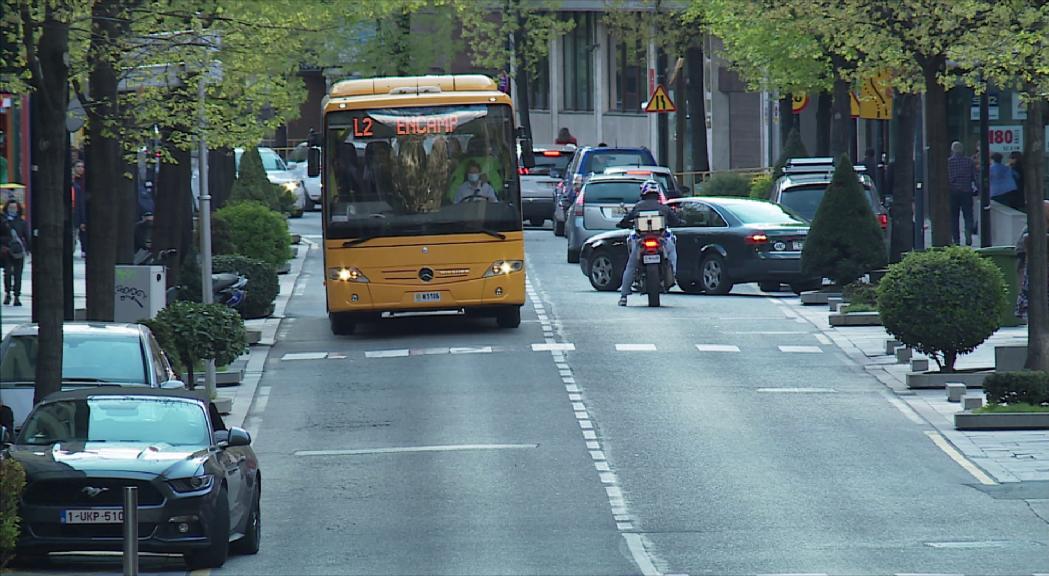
[[12, 481], [201, 332], [256, 231], [860, 293], [761, 187], [263, 284], [942, 302], [844, 241], [252, 184], [1024, 386], [726, 184]]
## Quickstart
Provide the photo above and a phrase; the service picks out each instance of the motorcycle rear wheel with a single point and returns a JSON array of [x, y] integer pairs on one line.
[[653, 284]]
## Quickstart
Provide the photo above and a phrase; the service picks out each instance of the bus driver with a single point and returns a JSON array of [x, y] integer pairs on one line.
[[475, 187]]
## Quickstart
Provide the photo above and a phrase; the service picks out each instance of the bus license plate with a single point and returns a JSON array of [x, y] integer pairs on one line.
[[111, 516], [423, 297], [650, 259]]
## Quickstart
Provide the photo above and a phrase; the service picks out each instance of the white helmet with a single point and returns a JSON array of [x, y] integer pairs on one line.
[[649, 187]]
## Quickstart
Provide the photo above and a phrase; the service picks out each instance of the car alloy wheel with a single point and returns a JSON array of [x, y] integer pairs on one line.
[[601, 272], [713, 275]]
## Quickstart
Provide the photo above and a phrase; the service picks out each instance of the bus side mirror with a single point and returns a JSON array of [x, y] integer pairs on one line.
[[527, 154], [313, 162]]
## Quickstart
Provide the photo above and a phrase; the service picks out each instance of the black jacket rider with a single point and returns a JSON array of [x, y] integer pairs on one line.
[[650, 205]]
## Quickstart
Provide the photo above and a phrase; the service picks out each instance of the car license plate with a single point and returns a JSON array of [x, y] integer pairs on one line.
[[107, 516], [423, 297], [797, 245], [650, 259]]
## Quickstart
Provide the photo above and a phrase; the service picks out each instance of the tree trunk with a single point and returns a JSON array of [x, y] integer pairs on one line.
[[222, 171], [823, 122], [786, 119], [936, 156], [521, 74], [903, 177], [841, 118], [173, 221], [1037, 268], [104, 165], [127, 199], [48, 143], [679, 123], [697, 109]]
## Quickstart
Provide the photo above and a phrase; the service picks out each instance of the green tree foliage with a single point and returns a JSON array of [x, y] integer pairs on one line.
[[726, 184], [942, 302], [12, 481], [761, 187], [202, 332], [793, 148], [252, 185], [845, 241], [257, 232]]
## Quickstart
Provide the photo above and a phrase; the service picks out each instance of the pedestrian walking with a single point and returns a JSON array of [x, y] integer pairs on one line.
[[565, 137], [1003, 185], [1016, 164], [14, 246], [961, 179], [1023, 246], [80, 200]]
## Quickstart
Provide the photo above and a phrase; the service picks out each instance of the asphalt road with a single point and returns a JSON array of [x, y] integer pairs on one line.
[[602, 440]]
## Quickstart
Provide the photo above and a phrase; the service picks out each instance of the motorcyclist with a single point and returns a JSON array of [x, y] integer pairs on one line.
[[650, 202]]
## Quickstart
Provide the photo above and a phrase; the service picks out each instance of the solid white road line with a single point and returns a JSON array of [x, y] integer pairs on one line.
[[717, 348], [551, 346], [404, 449], [387, 353], [304, 356], [903, 408], [962, 461], [823, 339], [635, 347], [797, 390], [640, 555], [801, 349]]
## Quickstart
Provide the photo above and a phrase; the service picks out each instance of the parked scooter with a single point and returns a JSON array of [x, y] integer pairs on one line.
[[654, 274], [227, 289]]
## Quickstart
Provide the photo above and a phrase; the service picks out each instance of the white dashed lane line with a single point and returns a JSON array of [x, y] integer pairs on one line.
[[635, 347], [717, 348], [304, 356], [801, 349]]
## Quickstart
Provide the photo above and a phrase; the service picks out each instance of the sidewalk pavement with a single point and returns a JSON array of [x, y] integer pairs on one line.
[[1006, 455], [253, 362]]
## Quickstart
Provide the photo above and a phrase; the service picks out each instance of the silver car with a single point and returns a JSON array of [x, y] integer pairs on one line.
[[599, 206], [93, 354], [278, 173], [538, 183]]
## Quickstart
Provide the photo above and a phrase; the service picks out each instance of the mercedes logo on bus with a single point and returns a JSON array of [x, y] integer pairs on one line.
[[425, 274]]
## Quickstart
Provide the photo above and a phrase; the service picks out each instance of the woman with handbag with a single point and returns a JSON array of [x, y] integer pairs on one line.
[[14, 235]]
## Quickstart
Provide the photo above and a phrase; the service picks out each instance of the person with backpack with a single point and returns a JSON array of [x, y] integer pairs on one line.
[[14, 246]]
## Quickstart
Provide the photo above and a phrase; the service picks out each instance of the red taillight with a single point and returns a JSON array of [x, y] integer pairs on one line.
[[883, 220], [756, 238], [553, 153], [522, 171], [578, 209], [650, 244]]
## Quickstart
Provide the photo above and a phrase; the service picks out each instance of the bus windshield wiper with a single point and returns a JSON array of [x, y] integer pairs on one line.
[[489, 232], [361, 240]]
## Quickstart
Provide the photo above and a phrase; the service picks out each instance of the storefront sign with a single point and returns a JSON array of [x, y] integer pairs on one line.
[[1005, 139], [992, 110], [1019, 107]]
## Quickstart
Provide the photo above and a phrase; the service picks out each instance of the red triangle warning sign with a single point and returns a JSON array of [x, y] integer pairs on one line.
[[660, 102]]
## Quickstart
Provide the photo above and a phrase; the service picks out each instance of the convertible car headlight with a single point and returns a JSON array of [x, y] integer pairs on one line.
[[290, 186], [192, 484]]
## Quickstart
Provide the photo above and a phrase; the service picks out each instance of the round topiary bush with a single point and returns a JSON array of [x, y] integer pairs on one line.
[[942, 302], [253, 185], [263, 284], [202, 332], [726, 184], [256, 231]]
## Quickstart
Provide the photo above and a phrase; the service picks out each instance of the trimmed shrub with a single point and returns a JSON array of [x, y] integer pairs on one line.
[[166, 340], [942, 302], [792, 148], [12, 481], [761, 187], [257, 232], [252, 184], [1024, 386], [861, 293], [202, 332], [726, 184], [844, 241], [263, 284]]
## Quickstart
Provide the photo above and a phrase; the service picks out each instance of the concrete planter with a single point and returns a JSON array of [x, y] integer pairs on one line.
[[296, 238], [934, 380], [284, 268], [80, 314], [224, 378], [855, 319], [252, 336], [1010, 358], [223, 405], [1002, 421], [294, 251], [818, 298]]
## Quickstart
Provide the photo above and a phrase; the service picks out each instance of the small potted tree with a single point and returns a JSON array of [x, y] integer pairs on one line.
[[197, 332], [844, 241], [943, 302]]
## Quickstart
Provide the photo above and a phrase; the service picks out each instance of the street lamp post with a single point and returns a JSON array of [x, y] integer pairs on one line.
[[205, 212]]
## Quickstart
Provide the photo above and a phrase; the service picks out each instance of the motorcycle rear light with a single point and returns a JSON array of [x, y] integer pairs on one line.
[[883, 220], [758, 238], [651, 244]]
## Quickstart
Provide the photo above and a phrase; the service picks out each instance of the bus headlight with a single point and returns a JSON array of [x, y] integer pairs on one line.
[[350, 274], [503, 267]]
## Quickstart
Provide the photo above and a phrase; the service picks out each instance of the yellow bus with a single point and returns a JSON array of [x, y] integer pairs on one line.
[[421, 200]]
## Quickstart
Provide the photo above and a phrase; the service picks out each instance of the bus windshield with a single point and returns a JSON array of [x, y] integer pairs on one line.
[[421, 170]]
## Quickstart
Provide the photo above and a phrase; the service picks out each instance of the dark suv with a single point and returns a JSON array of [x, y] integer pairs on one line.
[[590, 160]]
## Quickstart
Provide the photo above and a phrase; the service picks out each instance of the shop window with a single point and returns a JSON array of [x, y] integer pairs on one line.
[[627, 85], [578, 65]]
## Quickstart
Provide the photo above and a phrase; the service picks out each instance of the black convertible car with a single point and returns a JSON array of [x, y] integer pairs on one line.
[[199, 485], [724, 241]]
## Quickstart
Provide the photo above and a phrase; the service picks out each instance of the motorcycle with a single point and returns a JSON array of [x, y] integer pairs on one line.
[[654, 274], [226, 288]]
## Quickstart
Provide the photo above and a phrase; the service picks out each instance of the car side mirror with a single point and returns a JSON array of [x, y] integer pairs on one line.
[[313, 162], [237, 437], [172, 385]]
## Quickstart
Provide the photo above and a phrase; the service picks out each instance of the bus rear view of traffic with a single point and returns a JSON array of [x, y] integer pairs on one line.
[[421, 203]]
